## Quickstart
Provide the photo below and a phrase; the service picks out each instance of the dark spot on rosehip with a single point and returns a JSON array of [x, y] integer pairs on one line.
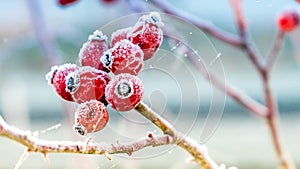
[[72, 83], [79, 129], [107, 60], [53, 74], [154, 19], [124, 89], [103, 100]]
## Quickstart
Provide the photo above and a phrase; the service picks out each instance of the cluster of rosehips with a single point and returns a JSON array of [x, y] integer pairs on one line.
[[108, 72], [288, 20]]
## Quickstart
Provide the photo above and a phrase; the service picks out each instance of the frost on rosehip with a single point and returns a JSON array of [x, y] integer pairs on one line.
[[91, 116], [57, 78], [152, 18], [124, 92], [120, 34], [93, 49], [288, 19], [147, 34], [86, 84], [124, 57]]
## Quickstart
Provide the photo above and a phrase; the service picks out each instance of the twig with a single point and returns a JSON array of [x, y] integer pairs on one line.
[[270, 60], [42, 33], [34, 144], [235, 93], [201, 24], [247, 46], [272, 122]]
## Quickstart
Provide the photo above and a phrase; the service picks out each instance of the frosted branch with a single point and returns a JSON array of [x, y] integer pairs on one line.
[[34, 144]]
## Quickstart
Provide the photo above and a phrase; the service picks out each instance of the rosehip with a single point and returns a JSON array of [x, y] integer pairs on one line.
[[147, 33], [120, 34], [57, 78], [124, 57], [66, 2], [124, 92], [90, 116], [108, 1], [86, 84], [288, 20], [92, 50]]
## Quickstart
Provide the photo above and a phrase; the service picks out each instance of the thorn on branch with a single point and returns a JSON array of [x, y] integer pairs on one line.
[[107, 155]]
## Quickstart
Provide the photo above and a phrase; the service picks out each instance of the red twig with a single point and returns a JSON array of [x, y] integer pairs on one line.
[[42, 33], [247, 46], [264, 71], [235, 93], [201, 24], [270, 60]]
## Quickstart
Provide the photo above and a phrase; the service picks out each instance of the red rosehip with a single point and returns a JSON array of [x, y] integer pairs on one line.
[[124, 92], [86, 84], [57, 78], [66, 2], [124, 57], [288, 20], [108, 1], [92, 50], [120, 34], [90, 116], [147, 33]]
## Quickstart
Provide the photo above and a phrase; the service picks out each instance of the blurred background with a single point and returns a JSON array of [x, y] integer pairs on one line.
[[34, 35]]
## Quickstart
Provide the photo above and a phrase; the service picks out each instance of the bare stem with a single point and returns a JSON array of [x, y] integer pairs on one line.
[[247, 46], [271, 116], [235, 93], [42, 32], [272, 122], [270, 60]]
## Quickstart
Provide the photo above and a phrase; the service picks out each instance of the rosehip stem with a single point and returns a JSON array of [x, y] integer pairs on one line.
[[155, 118], [199, 152], [270, 60]]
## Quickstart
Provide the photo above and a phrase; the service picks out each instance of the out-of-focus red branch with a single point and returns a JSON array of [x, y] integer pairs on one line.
[[247, 46], [271, 58], [264, 69], [42, 33], [201, 24]]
